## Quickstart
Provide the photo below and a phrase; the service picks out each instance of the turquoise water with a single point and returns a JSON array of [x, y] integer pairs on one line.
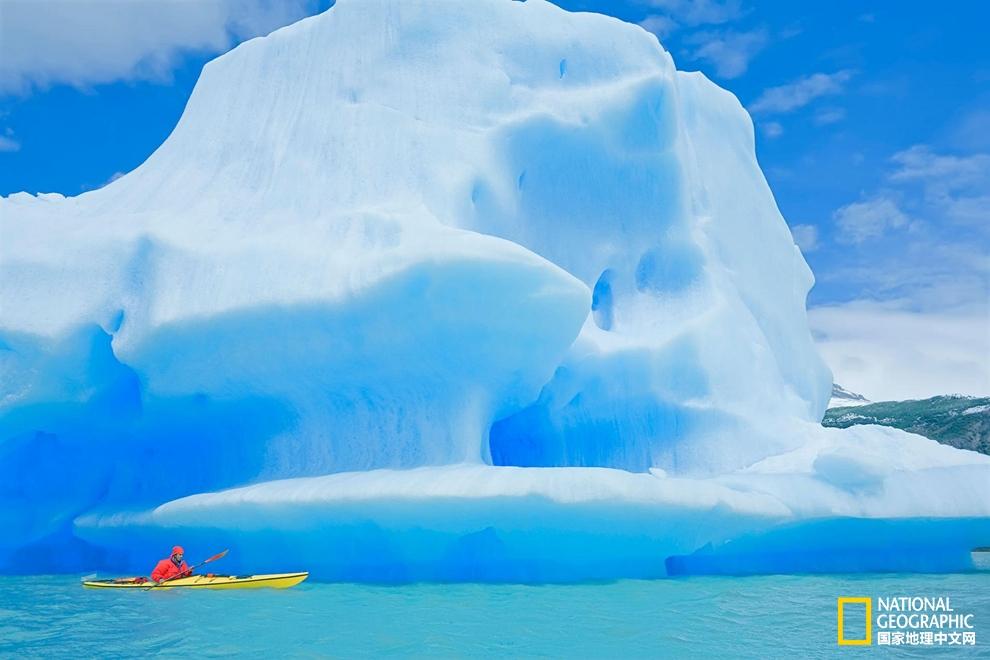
[[753, 617]]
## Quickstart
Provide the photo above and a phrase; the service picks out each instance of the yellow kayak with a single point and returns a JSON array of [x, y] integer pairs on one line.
[[273, 580]]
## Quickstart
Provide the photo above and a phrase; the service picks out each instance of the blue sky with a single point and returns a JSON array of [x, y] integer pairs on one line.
[[873, 129]]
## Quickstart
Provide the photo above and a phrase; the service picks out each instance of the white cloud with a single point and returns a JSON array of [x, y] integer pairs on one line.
[[772, 129], [955, 188], [919, 162], [937, 187], [728, 50], [806, 237], [659, 24], [801, 92], [862, 221], [98, 41], [700, 12], [932, 334], [675, 14], [966, 210], [929, 270], [827, 116], [972, 130], [888, 352], [8, 143], [790, 31]]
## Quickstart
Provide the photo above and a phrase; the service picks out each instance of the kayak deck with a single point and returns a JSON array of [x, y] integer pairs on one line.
[[273, 580]]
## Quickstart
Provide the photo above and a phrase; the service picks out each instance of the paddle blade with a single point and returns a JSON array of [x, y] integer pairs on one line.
[[219, 555]]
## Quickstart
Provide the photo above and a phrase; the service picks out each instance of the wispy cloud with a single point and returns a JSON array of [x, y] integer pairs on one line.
[[801, 92], [805, 237], [729, 51], [700, 12], [676, 15], [957, 188], [920, 162], [827, 116], [929, 271], [8, 143], [86, 43], [920, 326], [888, 351], [772, 129], [971, 132], [659, 24], [939, 188], [862, 221], [790, 31]]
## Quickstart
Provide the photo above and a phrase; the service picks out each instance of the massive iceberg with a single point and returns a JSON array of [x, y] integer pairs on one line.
[[455, 291]]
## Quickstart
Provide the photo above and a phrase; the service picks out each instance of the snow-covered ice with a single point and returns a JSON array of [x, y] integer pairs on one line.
[[431, 290]]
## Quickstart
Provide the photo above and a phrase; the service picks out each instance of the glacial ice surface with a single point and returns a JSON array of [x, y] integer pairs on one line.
[[432, 290]]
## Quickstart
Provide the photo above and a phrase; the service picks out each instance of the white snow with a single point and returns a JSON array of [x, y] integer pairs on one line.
[[837, 402], [842, 398]]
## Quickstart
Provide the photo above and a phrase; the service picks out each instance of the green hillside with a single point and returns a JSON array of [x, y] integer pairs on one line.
[[958, 421]]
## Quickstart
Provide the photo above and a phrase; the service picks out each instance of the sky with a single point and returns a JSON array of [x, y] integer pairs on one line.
[[872, 127]]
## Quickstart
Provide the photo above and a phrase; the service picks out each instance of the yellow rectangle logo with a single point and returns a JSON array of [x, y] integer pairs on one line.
[[868, 602]]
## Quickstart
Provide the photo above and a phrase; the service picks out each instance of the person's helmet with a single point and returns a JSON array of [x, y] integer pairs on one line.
[[177, 550]]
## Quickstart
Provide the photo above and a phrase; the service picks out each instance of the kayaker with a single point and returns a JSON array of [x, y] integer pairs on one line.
[[172, 567]]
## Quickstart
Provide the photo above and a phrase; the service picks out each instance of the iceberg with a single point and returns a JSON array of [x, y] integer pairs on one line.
[[444, 291]]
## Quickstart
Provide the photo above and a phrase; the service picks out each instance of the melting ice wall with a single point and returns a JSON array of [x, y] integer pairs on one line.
[[478, 290]]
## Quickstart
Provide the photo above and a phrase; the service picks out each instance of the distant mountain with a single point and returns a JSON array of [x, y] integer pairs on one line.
[[843, 397], [959, 421]]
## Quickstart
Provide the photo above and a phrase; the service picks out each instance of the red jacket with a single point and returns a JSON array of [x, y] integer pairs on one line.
[[166, 569]]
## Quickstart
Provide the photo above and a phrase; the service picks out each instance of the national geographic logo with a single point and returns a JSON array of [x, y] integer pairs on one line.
[[849, 600], [903, 621]]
